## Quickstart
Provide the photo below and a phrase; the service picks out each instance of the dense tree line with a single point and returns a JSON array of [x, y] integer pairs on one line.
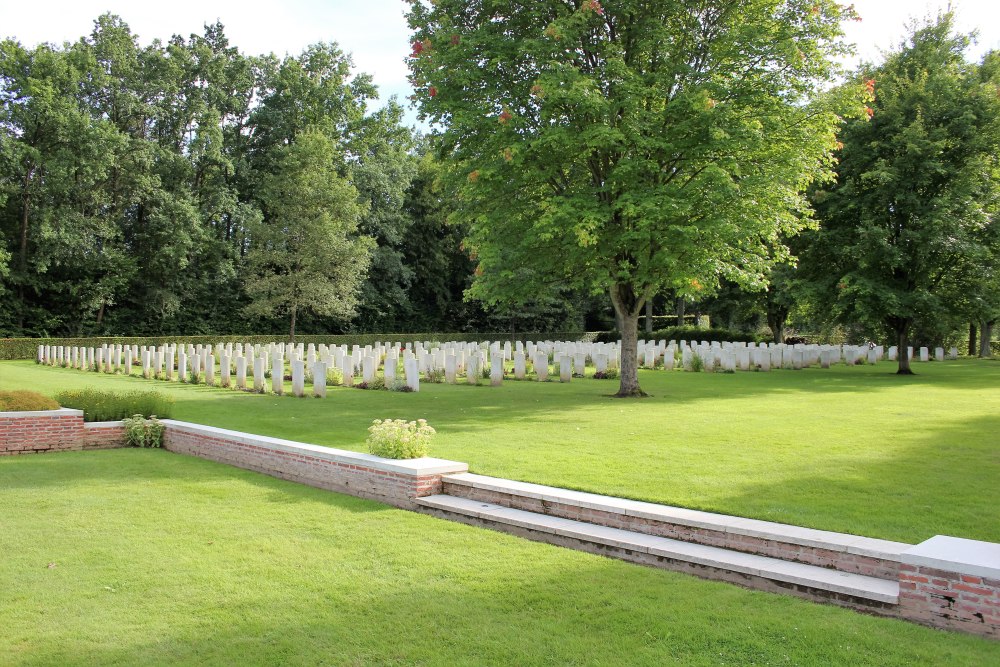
[[186, 187]]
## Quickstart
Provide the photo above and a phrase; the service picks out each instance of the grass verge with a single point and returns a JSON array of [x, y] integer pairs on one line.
[[143, 557], [850, 449]]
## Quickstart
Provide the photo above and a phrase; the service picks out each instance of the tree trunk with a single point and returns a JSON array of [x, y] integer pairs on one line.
[[627, 306], [777, 329], [22, 256], [291, 331], [985, 336], [680, 311], [972, 339], [902, 328], [649, 316], [776, 318]]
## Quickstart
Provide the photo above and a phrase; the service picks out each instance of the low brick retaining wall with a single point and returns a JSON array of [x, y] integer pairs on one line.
[[55, 431], [883, 564], [950, 582], [395, 482]]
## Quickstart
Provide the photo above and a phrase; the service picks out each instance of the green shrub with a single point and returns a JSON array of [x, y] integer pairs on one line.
[[399, 439], [609, 374], [22, 400], [399, 384], [334, 377], [697, 363], [100, 405], [688, 334], [142, 432]]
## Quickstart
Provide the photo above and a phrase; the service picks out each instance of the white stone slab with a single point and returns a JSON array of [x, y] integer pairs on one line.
[[421, 466], [766, 530], [956, 554]]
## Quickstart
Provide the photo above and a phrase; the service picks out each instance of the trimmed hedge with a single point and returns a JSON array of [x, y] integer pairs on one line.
[[101, 406], [689, 334], [22, 400], [27, 348]]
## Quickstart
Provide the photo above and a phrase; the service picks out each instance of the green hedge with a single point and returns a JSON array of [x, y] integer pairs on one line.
[[26, 348], [100, 406], [689, 334]]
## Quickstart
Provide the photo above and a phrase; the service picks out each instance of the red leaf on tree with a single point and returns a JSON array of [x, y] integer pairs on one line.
[[473, 176], [505, 116], [869, 111], [418, 48], [870, 85], [432, 91], [455, 39]]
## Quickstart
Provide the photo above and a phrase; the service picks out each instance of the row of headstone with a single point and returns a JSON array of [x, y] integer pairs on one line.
[[402, 364]]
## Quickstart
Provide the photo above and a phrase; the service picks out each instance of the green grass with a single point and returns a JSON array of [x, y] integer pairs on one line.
[[856, 450], [143, 557]]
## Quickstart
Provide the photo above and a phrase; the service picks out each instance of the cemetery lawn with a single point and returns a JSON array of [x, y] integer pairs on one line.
[[850, 449], [144, 557]]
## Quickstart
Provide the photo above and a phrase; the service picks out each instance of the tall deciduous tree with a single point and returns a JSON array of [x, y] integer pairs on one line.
[[902, 230], [630, 147], [306, 254]]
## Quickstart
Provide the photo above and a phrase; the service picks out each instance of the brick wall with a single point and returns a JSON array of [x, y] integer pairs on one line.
[[55, 430], [389, 481], [838, 560], [945, 598]]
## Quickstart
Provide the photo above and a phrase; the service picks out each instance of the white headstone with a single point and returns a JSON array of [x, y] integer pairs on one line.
[[541, 364], [319, 379], [496, 368], [519, 364], [411, 368], [258, 374], [277, 375], [298, 378]]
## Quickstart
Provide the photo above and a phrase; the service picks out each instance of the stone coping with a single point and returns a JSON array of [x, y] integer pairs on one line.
[[956, 554], [417, 467], [59, 412], [766, 530], [110, 424], [812, 576]]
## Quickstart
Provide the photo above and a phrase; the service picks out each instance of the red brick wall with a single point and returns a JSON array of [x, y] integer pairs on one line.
[[838, 560], [59, 430], [950, 600], [356, 479]]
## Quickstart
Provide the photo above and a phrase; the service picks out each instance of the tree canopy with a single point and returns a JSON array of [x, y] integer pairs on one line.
[[908, 229], [628, 147], [134, 184]]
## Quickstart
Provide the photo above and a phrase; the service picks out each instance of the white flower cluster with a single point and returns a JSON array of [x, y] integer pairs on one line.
[[399, 439]]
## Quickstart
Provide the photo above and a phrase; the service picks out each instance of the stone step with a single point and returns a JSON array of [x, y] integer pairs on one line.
[[626, 542], [852, 553]]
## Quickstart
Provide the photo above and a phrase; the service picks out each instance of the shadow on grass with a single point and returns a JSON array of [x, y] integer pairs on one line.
[[558, 608], [65, 469], [944, 483]]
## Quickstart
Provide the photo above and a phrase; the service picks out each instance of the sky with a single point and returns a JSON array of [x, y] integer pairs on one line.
[[375, 31]]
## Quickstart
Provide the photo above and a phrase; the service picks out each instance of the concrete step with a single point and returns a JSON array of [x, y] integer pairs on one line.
[[621, 512], [624, 543]]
